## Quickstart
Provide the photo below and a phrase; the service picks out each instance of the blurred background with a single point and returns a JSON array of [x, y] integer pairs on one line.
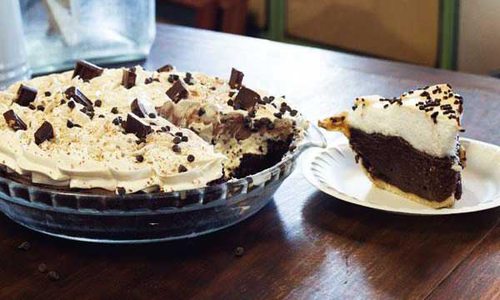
[[461, 35], [42, 36]]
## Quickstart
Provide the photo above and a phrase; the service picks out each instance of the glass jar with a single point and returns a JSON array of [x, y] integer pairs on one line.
[[104, 31]]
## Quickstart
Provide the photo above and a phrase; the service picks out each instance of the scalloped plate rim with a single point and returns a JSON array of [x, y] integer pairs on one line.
[[343, 147]]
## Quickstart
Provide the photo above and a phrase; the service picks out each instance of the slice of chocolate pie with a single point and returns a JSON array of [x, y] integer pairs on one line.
[[408, 145]]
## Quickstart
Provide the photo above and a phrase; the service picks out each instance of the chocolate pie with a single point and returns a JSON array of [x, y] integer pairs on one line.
[[409, 144], [129, 130]]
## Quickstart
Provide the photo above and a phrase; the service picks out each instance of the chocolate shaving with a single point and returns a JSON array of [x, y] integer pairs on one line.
[[44, 133], [77, 95], [25, 95], [139, 109], [165, 68], [128, 79], [177, 92], [86, 71], [136, 126], [246, 98], [236, 79], [13, 120]]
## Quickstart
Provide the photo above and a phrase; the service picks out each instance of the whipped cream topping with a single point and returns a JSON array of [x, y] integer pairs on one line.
[[91, 149], [428, 118]]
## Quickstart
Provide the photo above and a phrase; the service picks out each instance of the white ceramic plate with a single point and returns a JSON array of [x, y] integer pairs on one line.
[[335, 172]]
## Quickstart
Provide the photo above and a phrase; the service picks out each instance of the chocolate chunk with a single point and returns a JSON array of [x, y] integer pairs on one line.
[[165, 68], [173, 78], [86, 71], [177, 92], [44, 133], [140, 109], [13, 120], [77, 95], [136, 126], [128, 79], [25, 95], [188, 79], [236, 79], [246, 98]]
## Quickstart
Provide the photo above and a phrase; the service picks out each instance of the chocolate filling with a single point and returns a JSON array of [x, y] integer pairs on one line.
[[254, 163], [396, 162]]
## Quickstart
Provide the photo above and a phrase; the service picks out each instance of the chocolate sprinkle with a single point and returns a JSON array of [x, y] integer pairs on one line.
[[98, 103], [246, 98], [236, 79], [201, 112], [71, 104], [165, 68], [121, 191], [114, 110], [176, 148], [128, 79], [70, 124], [434, 116], [182, 169], [139, 158], [13, 120], [177, 92], [86, 71], [44, 133], [25, 95], [136, 126], [190, 158]]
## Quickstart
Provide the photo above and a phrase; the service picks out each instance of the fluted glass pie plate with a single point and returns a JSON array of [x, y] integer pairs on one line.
[[148, 217]]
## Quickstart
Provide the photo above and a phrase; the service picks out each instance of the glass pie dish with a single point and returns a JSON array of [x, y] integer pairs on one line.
[[147, 217]]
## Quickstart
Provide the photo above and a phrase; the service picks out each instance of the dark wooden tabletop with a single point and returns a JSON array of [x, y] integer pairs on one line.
[[304, 244]]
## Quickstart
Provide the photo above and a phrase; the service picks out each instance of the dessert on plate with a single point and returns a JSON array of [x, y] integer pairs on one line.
[[408, 145], [130, 130]]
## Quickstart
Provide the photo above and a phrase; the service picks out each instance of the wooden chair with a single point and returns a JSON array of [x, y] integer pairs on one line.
[[232, 13]]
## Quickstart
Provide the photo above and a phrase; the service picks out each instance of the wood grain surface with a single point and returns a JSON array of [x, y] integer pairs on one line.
[[304, 244]]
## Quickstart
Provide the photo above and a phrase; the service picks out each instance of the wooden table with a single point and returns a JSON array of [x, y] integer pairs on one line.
[[305, 244]]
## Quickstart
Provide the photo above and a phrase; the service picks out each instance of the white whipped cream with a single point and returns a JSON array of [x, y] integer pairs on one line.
[[99, 155], [432, 132]]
